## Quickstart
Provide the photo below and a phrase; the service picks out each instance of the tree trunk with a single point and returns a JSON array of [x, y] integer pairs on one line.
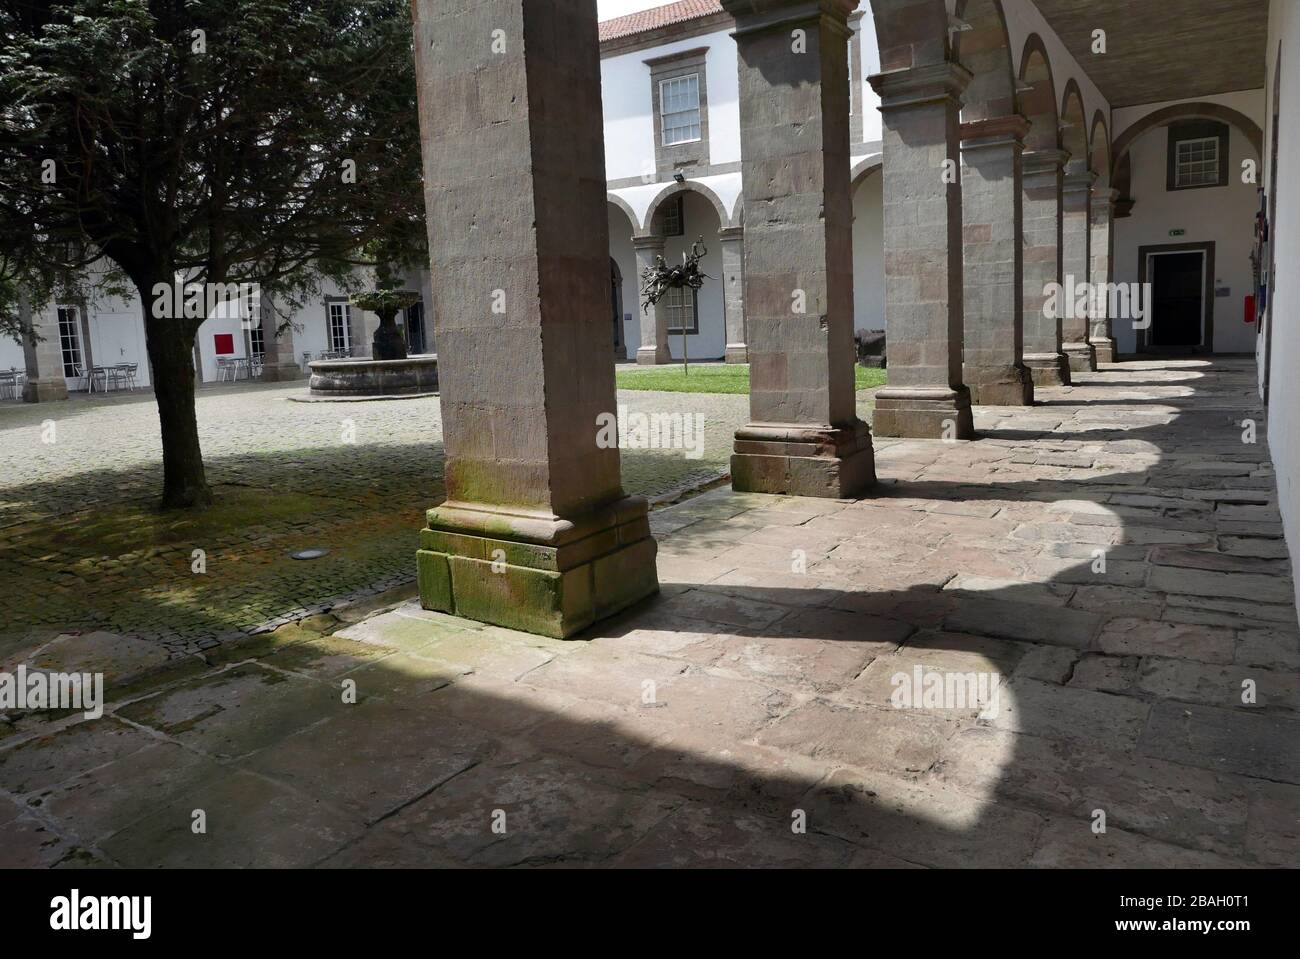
[[171, 355]]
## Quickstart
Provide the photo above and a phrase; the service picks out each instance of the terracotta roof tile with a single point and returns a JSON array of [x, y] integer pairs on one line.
[[656, 17]]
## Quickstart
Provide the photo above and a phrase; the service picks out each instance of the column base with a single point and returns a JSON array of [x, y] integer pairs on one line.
[[736, 353], [533, 571], [281, 372], [652, 356], [999, 385], [1105, 350], [45, 391], [834, 463], [1048, 369], [938, 413], [1082, 357]]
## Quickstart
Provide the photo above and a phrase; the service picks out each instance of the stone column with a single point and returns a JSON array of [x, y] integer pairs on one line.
[[1041, 211], [732, 239], [923, 253], [804, 436], [1076, 191], [42, 352], [654, 321], [993, 321], [279, 362], [1100, 333], [358, 332], [536, 532]]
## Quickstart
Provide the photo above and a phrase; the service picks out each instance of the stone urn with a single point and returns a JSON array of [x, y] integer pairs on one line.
[[388, 342]]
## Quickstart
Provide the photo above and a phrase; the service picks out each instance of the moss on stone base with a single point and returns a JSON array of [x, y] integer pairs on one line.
[[542, 601]]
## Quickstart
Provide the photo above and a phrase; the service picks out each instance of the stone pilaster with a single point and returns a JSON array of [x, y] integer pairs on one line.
[[536, 532], [42, 353], [923, 254], [654, 321], [804, 436], [732, 240], [1076, 193], [993, 319], [1100, 333], [1041, 216], [279, 361]]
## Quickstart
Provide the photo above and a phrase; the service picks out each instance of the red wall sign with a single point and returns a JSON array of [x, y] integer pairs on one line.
[[224, 343]]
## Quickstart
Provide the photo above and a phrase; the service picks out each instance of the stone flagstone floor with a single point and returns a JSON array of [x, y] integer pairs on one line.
[[1113, 555]]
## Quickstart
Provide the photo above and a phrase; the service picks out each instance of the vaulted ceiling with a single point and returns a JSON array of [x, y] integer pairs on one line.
[[1165, 49]]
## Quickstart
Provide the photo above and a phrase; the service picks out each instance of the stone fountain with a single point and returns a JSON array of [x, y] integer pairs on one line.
[[388, 371]]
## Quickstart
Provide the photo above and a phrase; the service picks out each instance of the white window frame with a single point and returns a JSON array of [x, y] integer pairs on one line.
[[1207, 164], [70, 340], [675, 304], [674, 218], [343, 323], [665, 113], [256, 343]]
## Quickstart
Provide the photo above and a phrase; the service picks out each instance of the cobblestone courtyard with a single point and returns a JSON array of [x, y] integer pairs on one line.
[[1113, 555], [82, 548]]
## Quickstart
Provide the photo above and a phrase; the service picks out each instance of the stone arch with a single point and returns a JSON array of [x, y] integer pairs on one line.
[[1099, 149], [985, 50], [1074, 129], [626, 207], [673, 189], [911, 33], [1199, 110], [1038, 96], [863, 169]]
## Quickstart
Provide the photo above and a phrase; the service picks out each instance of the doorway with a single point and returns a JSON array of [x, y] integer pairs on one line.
[[616, 298], [1181, 304]]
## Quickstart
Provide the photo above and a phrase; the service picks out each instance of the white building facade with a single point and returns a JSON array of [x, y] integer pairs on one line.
[[673, 168]]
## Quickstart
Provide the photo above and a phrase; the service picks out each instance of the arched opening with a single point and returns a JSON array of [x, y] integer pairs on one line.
[[1041, 215], [616, 308], [1102, 241], [1099, 151], [623, 278], [1197, 110], [868, 248], [1190, 229], [983, 49], [1038, 97], [1074, 130], [992, 231], [682, 214]]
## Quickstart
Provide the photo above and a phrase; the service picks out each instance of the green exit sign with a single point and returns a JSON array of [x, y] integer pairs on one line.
[[1177, 232]]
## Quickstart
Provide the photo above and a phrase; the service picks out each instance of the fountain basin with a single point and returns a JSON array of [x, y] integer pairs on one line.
[[381, 379]]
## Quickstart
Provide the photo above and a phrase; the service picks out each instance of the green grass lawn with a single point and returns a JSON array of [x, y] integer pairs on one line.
[[713, 378]]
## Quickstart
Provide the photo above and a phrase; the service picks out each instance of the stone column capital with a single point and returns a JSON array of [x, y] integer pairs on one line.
[[648, 241], [753, 16], [1045, 161], [925, 84], [731, 234], [995, 131]]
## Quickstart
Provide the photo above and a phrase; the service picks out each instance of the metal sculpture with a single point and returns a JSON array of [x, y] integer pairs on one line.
[[657, 280]]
